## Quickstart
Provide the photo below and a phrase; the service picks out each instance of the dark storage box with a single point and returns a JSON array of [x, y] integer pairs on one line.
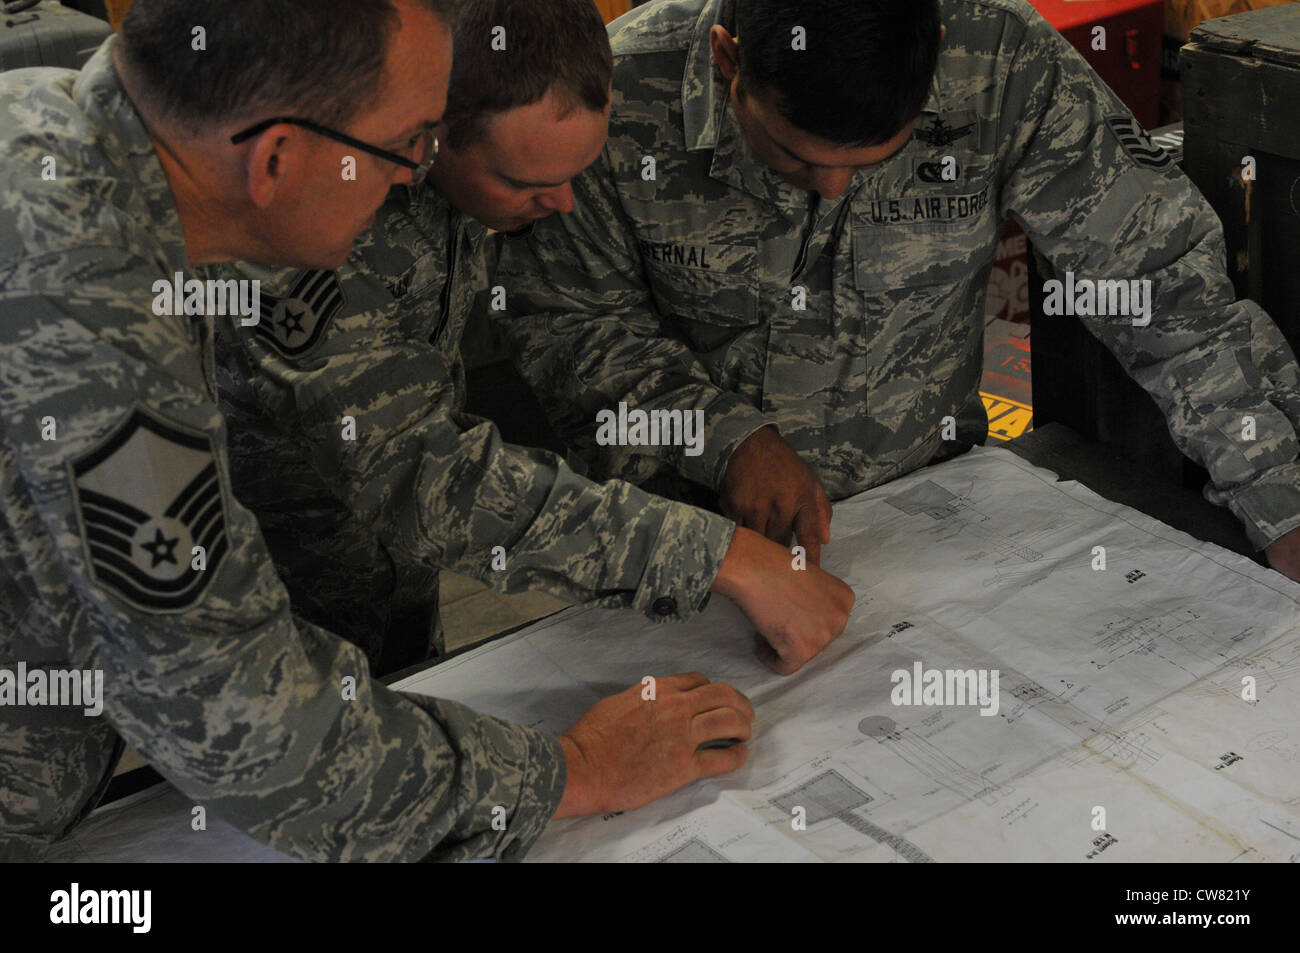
[[1241, 97]]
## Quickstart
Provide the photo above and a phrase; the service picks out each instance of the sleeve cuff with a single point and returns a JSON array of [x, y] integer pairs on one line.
[[685, 560], [540, 792], [508, 784], [1269, 506], [728, 422]]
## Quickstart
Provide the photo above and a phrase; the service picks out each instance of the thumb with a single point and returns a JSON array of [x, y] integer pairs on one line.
[[771, 658], [811, 529]]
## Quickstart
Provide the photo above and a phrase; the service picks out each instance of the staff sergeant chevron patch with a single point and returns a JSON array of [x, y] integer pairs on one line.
[[1137, 143], [147, 495], [292, 325]]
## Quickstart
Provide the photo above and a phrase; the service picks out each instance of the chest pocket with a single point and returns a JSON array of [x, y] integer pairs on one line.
[[408, 266], [920, 259], [424, 275], [412, 267], [706, 283], [913, 234], [399, 251], [887, 263]]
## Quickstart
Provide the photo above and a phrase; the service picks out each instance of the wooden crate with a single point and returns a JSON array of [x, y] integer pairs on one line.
[[1241, 98]]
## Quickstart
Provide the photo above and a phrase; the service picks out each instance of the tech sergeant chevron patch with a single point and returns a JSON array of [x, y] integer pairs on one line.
[[1137, 143]]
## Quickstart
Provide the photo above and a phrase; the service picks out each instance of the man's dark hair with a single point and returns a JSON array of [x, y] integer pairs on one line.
[[316, 59], [864, 74], [549, 44]]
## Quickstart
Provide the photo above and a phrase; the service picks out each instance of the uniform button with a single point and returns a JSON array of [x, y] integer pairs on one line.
[[665, 605]]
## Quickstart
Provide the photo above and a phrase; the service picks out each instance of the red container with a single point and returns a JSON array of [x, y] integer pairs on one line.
[[1130, 63]]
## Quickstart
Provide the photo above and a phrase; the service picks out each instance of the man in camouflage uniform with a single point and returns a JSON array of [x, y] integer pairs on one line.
[[122, 549], [751, 245], [377, 344]]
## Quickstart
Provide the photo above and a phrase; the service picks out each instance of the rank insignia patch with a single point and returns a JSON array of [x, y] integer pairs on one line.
[[147, 496], [1137, 143], [293, 324]]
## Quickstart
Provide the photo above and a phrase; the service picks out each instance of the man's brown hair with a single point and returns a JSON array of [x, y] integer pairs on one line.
[[511, 53]]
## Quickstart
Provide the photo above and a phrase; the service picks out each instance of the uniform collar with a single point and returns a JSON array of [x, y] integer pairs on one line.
[[704, 96], [122, 137], [734, 164]]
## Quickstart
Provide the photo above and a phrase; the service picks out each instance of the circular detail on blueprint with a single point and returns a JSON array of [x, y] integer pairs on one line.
[[876, 726]]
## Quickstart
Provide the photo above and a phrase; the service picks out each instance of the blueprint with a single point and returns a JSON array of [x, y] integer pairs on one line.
[[1147, 704], [1120, 688]]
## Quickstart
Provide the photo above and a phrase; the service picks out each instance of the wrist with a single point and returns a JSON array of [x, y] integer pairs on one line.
[[752, 442], [737, 564], [579, 792], [756, 440]]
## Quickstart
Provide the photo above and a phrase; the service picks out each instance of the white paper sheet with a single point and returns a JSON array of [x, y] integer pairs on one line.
[[1120, 689]]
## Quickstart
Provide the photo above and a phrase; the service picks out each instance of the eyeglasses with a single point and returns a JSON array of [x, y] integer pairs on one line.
[[427, 145]]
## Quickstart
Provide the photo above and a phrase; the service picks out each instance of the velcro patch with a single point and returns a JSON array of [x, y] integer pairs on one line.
[[911, 209], [942, 131], [147, 496], [1135, 141], [292, 325], [694, 255]]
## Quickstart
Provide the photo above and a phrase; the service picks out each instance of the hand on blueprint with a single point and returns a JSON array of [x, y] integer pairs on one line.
[[634, 747], [1284, 554], [768, 488], [798, 612]]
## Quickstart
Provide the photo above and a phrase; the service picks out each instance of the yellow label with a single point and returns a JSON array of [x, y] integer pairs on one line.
[[1008, 419]]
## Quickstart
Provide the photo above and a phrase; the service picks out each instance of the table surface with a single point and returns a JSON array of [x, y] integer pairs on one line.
[[1054, 447], [1119, 688], [1122, 646]]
